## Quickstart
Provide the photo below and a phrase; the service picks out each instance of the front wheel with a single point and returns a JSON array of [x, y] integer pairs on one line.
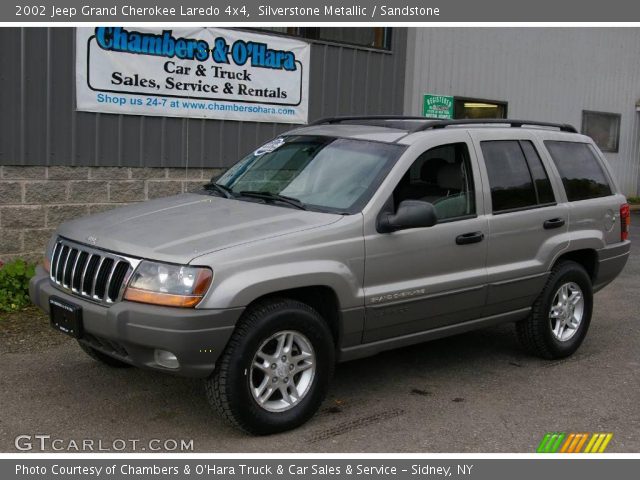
[[276, 368], [561, 315]]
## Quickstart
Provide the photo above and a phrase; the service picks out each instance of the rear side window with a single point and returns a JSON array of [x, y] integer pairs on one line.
[[580, 169], [539, 174], [516, 175]]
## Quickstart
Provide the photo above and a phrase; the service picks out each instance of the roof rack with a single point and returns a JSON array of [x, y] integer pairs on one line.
[[428, 124], [346, 119], [564, 127], [399, 122]]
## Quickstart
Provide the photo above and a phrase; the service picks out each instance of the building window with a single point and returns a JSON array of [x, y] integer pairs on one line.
[[603, 127], [371, 37], [466, 108]]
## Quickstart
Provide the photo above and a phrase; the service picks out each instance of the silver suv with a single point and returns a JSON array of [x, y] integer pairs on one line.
[[337, 241]]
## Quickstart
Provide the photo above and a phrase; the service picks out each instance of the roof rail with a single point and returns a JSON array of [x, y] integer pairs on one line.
[[564, 127], [346, 119], [429, 123]]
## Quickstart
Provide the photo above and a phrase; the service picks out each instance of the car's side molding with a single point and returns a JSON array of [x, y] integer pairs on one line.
[[368, 349]]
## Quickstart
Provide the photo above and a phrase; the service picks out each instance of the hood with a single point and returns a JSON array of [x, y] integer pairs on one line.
[[178, 229]]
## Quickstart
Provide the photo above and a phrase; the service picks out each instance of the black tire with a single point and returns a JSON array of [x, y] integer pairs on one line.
[[102, 358], [228, 388], [535, 332]]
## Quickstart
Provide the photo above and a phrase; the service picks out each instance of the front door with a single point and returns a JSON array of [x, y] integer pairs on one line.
[[424, 278]]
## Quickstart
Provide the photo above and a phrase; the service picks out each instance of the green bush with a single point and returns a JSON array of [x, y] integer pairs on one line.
[[14, 285], [633, 200]]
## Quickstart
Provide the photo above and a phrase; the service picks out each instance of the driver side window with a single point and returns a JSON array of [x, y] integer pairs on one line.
[[441, 176]]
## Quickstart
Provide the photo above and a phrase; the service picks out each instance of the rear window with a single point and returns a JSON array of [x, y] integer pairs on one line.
[[580, 169]]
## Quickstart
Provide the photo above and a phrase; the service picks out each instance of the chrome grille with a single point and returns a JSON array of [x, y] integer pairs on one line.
[[90, 273]]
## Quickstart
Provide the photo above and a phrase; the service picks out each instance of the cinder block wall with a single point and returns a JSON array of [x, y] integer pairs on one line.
[[39, 125], [35, 200]]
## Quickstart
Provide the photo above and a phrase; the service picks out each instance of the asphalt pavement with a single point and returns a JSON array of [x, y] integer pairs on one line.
[[476, 392]]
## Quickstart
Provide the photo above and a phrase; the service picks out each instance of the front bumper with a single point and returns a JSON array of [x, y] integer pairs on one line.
[[131, 331]]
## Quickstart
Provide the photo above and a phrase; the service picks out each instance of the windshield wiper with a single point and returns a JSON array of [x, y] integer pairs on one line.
[[294, 202], [216, 187]]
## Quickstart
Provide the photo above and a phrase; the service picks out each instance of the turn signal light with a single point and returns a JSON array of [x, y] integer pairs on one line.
[[46, 264], [157, 298], [625, 221]]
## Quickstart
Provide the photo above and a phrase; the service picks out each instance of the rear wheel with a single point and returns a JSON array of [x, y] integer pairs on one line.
[[561, 315], [276, 368], [102, 358]]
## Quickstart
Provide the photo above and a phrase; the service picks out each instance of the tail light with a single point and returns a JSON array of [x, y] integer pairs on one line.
[[625, 221]]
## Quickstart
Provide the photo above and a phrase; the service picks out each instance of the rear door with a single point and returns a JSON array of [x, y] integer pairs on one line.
[[527, 215]]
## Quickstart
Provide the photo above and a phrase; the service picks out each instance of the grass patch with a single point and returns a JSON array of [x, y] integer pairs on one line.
[[14, 285]]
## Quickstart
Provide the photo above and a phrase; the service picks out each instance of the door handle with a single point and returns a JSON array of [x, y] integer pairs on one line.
[[553, 223], [471, 237]]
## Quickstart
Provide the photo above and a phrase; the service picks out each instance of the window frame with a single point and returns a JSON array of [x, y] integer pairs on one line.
[[502, 103], [301, 34], [616, 116], [533, 182]]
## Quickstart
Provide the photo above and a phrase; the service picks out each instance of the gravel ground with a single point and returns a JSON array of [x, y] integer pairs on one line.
[[27, 330], [476, 392]]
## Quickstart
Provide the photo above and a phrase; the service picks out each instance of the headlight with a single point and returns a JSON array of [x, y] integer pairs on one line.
[[170, 285]]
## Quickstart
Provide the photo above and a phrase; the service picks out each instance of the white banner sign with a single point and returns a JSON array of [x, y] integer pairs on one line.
[[192, 72]]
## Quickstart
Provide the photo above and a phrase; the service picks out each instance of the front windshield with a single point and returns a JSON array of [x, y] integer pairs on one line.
[[334, 174]]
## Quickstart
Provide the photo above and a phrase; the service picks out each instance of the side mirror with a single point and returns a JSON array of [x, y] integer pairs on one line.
[[410, 214]]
